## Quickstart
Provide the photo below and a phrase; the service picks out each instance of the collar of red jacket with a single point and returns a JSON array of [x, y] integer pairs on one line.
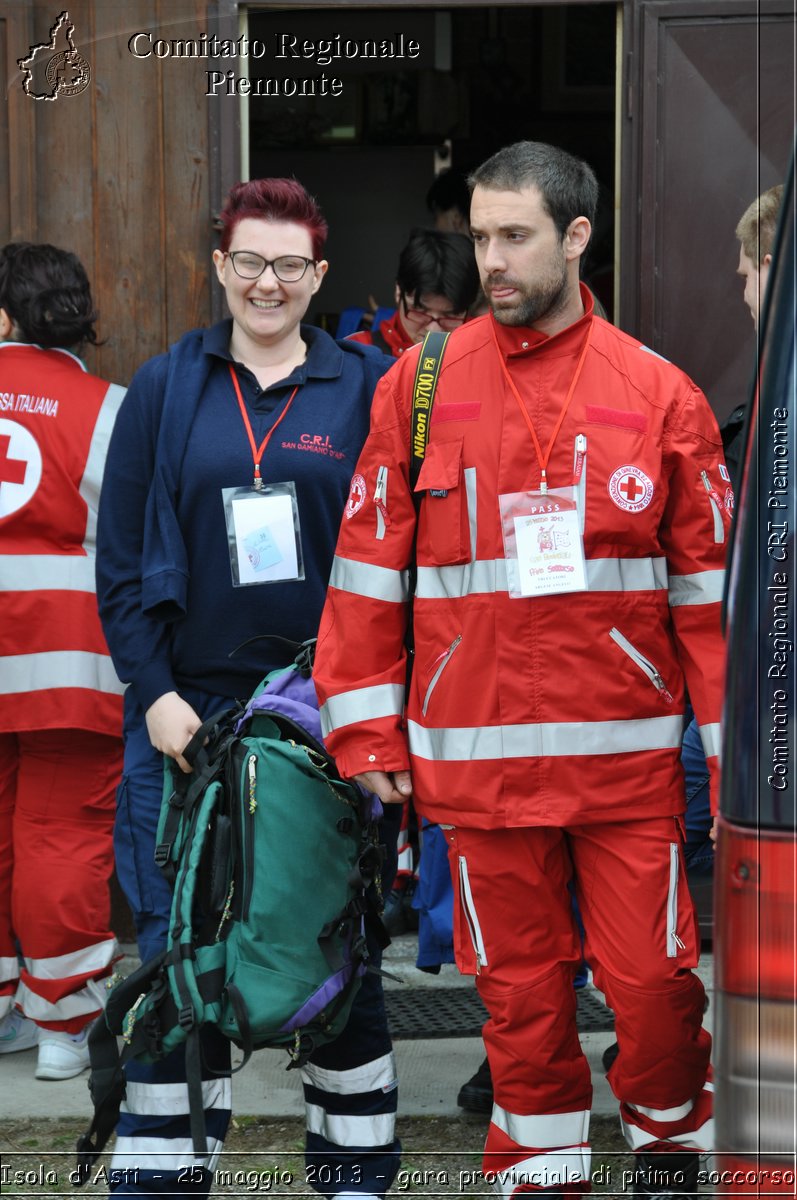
[[523, 339], [395, 334]]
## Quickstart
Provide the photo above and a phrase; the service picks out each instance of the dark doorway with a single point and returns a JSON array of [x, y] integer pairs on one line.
[[481, 78]]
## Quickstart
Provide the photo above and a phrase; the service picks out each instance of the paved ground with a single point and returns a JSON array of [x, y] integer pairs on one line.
[[430, 1070]]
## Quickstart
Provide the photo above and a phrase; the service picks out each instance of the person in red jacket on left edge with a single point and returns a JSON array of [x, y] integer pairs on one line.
[[60, 698]]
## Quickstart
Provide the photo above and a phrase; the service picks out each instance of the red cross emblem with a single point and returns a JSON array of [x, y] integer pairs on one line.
[[20, 466], [12, 470], [357, 495], [630, 489]]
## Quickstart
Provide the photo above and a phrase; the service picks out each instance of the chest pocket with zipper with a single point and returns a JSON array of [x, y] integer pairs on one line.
[[443, 528]]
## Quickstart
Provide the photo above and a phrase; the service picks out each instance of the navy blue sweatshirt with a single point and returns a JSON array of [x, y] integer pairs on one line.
[[169, 610]]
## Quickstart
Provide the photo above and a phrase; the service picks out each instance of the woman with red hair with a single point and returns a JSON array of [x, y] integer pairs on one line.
[[227, 479]]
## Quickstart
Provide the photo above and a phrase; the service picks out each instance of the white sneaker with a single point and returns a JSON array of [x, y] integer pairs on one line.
[[17, 1032], [62, 1055]]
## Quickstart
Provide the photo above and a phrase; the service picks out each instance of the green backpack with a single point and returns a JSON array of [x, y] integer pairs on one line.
[[274, 864]]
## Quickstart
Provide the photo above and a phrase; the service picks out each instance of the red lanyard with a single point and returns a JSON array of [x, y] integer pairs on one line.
[[542, 459], [257, 451]]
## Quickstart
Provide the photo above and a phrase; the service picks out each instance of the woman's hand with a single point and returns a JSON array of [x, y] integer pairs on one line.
[[171, 723], [391, 789]]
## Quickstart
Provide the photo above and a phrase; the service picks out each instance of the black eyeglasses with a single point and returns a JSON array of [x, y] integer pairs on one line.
[[289, 268], [423, 316]]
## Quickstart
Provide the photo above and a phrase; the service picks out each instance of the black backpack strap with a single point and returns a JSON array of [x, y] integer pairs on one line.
[[107, 1079], [107, 1088]]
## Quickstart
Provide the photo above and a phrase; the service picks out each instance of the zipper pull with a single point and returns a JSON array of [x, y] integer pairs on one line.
[[380, 501], [578, 458], [663, 690], [252, 769]]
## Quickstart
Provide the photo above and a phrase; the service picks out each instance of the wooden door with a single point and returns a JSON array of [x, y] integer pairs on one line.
[[708, 125]]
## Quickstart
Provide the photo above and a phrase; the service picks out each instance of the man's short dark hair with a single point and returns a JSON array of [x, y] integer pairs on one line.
[[567, 184], [441, 264]]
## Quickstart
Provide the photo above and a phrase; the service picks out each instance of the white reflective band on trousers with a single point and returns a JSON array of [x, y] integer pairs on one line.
[[549, 1129], [59, 669], [77, 962], [552, 1171], [345, 1130], [166, 1155], [171, 1099], [555, 739], [711, 737], [701, 1140], [379, 1075], [362, 704], [83, 1003]]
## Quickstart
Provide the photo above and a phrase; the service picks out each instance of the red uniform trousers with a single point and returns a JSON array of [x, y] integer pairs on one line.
[[514, 928], [57, 800]]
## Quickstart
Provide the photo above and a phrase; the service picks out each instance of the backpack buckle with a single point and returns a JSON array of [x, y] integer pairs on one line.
[[162, 854], [186, 1018]]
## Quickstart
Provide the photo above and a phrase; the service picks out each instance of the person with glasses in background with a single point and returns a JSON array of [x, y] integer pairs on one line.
[[437, 284], [259, 398]]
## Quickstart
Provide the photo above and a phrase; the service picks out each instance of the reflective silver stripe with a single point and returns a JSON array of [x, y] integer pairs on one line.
[[489, 576], [46, 572], [626, 574], [95, 460], [697, 1139], [362, 704], [370, 580], [664, 1114], [474, 578], [9, 968], [471, 494], [346, 1130], [77, 1004], [711, 737], [378, 1075], [704, 587], [171, 1099], [545, 1171], [59, 669], [555, 739], [79, 962], [162, 1154], [550, 1130]]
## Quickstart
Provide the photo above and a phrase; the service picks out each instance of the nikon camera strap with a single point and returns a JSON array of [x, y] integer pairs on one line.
[[426, 376]]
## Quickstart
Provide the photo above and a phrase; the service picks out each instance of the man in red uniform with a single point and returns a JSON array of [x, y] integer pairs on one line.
[[570, 555]]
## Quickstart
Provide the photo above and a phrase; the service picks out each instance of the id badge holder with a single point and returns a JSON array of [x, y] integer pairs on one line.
[[543, 543], [263, 534]]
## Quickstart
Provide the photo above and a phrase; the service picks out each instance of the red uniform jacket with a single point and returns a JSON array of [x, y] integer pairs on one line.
[[553, 709], [55, 425]]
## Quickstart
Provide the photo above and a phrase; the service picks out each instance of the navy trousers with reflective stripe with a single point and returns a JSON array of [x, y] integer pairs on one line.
[[351, 1101]]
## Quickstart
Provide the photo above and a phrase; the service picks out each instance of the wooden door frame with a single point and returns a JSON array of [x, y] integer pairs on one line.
[[638, 175], [17, 17], [224, 134]]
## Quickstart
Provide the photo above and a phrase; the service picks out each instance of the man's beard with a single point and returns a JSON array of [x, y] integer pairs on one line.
[[544, 299]]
